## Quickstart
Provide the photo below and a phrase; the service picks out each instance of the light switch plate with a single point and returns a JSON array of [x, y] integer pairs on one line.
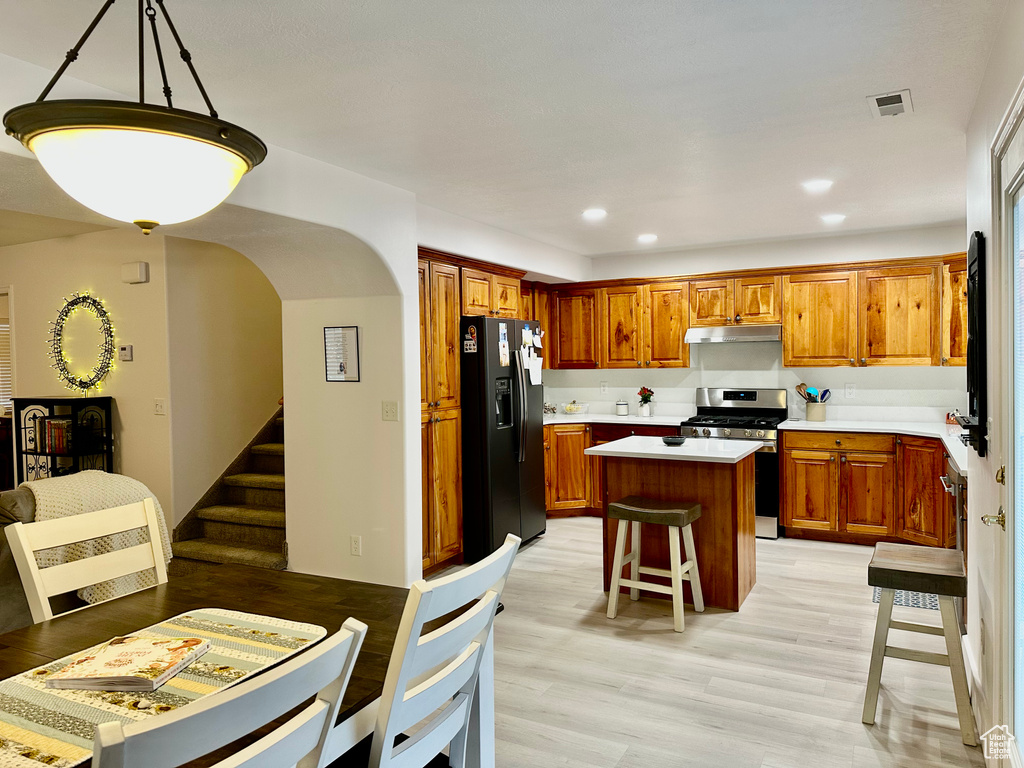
[[389, 410], [160, 407]]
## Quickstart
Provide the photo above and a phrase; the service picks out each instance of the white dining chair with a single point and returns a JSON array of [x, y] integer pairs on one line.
[[25, 539], [432, 676], [217, 720]]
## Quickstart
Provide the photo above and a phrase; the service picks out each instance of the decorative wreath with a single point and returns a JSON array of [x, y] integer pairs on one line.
[[106, 346]]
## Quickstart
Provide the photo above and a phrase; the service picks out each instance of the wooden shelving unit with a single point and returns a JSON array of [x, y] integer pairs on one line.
[[56, 436]]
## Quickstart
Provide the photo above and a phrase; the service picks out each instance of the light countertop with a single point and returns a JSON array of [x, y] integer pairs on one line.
[[948, 433], [694, 449], [610, 418]]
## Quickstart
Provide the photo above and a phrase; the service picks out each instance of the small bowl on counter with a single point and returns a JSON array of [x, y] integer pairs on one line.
[[574, 408], [673, 440]]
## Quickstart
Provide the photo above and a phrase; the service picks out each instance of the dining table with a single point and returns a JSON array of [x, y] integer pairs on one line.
[[298, 597]]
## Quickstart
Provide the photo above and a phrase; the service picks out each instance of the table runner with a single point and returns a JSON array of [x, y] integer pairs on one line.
[[44, 726]]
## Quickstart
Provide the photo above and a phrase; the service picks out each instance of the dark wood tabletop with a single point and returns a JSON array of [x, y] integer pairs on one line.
[[283, 594]]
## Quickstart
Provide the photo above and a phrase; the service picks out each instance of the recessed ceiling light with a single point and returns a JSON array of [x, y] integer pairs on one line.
[[834, 218], [594, 214], [647, 239], [817, 186]]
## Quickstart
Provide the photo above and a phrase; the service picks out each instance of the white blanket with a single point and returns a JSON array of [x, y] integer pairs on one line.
[[90, 491]]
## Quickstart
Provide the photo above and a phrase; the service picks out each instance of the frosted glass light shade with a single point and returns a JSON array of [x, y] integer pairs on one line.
[[139, 176], [136, 162]]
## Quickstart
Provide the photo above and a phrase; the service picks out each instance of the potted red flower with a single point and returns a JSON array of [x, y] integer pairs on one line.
[[645, 394]]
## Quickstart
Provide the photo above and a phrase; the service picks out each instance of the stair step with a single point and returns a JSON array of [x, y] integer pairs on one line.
[[243, 514], [213, 551], [254, 480], [269, 449]]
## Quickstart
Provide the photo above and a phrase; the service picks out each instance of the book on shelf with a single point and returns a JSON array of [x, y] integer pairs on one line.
[[130, 664], [53, 434]]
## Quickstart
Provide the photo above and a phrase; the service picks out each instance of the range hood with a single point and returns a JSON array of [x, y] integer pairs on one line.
[[733, 333]]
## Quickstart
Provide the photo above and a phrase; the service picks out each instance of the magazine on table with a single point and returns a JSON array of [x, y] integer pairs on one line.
[[130, 664]]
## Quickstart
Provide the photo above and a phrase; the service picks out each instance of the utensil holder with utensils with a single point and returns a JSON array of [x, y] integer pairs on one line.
[[816, 411]]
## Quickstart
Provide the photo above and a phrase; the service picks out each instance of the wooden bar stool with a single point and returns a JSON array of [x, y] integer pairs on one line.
[[676, 516], [933, 571]]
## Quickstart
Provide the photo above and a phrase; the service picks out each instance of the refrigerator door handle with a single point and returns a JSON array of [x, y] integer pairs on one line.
[[523, 424]]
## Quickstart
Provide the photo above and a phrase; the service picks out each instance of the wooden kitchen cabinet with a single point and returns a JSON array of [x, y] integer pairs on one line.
[[867, 493], [575, 319], [484, 293], [924, 505], [811, 489], [819, 319], [442, 340], [666, 318], [620, 324], [730, 301], [954, 313], [569, 468], [424, 290], [441, 435], [899, 316], [839, 482]]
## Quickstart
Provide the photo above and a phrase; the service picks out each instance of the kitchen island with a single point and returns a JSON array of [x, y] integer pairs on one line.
[[717, 474]]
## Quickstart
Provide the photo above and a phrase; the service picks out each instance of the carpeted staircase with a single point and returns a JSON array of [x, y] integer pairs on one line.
[[241, 518]]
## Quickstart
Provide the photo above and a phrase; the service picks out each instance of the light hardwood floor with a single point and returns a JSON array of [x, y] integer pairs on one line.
[[779, 684]]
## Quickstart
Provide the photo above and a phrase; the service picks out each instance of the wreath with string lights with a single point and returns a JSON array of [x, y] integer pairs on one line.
[[106, 346]]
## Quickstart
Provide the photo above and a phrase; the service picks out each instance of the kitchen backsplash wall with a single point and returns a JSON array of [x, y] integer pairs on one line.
[[905, 393]]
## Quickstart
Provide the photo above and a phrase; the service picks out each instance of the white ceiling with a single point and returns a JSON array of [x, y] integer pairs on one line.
[[693, 120]]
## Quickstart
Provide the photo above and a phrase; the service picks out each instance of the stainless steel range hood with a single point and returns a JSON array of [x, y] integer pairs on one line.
[[734, 333]]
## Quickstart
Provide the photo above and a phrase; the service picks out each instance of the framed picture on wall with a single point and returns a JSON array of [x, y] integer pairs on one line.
[[341, 353]]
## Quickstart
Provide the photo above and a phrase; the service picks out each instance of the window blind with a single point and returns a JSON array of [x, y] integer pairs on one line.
[[6, 372]]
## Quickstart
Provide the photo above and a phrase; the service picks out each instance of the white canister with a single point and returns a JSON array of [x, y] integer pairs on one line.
[[622, 408], [815, 411]]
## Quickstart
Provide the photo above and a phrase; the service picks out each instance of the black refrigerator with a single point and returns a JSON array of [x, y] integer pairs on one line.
[[502, 434]]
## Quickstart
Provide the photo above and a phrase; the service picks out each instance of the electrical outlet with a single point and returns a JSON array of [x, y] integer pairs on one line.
[[389, 410], [604, 387], [851, 391], [160, 407], [355, 544]]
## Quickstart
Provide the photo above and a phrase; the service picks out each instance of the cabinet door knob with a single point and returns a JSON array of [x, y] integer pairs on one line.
[[863, 361], [899, 441], [832, 458], [852, 361], [737, 318], [842, 459], [648, 362], [945, 360], [638, 363], [839, 442]]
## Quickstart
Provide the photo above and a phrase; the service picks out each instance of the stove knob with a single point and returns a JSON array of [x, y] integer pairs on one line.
[[746, 433], [760, 433], [693, 431], [706, 432], [726, 432]]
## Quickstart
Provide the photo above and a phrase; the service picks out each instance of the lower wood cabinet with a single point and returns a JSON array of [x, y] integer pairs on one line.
[[441, 437], [866, 487], [573, 480], [924, 505]]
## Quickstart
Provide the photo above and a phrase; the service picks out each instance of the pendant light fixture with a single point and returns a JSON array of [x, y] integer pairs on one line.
[[136, 162]]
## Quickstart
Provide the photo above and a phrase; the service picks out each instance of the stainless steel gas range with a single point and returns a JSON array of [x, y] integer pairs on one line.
[[746, 414]]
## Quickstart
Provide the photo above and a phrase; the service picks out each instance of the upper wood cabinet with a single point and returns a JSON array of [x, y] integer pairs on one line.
[[424, 289], [484, 293], [666, 319], [819, 319], [620, 326], [443, 339], [954, 313], [574, 335], [899, 316], [742, 300]]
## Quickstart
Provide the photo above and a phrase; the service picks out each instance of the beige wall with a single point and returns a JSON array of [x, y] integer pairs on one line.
[[40, 276], [224, 341]]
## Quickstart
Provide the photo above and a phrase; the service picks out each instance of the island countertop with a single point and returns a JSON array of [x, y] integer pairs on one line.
[[696, 449]]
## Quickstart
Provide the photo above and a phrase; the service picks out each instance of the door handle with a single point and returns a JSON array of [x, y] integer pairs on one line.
[[997, 519], [947, 485]]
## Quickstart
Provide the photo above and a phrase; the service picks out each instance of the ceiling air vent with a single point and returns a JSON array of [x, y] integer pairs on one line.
[[890, 104]]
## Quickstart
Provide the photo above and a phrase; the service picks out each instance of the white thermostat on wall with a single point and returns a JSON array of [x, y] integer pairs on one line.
[[124, 353]]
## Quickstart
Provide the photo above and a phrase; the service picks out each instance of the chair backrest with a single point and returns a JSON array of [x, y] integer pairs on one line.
[[218, 719], [438, 668], [40, 584]]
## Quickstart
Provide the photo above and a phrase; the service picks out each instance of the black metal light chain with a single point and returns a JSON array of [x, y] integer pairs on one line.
[[150, 13]]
